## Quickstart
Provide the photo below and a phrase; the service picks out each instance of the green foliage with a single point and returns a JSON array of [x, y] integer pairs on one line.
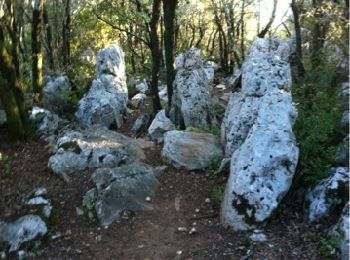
[[213, 129], [217, 193], [317, 125], [215, 163], [329, 248], [219, 109]]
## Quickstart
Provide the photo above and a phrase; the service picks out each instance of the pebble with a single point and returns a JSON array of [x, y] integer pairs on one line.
[[207, 200], [258, 237], [2, 255], [21, 254], [79, 251], [57, 235], [182, 229], [192, 231], [179, 252], [196, 210], [194, 224], [148, 199], [40, 192]]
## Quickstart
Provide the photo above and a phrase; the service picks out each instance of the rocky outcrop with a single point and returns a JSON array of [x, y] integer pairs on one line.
[[92, 148], [258, 137], [119, 189], [140, 124], [329, 194], [57, 92], [160, 124], [105, 103], [190, 150], [192, 91], [341, 233], [138, 100], [142, 87], [24, 229]]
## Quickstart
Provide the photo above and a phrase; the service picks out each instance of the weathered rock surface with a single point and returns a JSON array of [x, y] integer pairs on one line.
[[142, 87], [56, 94], [341, 232], [160, 124], [190, 150], [92, 148], [140, 124], [24, 229], [119, 189], [105, 103], [45, 121], [3, 118], [138, 100], [192, 91], [330, 193], [257, 132]]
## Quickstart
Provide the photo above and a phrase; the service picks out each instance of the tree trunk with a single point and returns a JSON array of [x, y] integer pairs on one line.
[[10, 92], [268, 25], [299, 53], [37, 57], [156, 55], [48, 35], [169, 8], [66, 35], [242, 30]]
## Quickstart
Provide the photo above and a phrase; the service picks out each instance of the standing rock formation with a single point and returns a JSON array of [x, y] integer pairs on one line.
[[105, 103], [257, 131], [192, 91]]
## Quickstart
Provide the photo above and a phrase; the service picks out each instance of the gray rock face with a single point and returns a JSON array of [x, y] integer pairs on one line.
[[192, 91], [105, 103], [160, 124], [328, 194], [190, 150], [142, 87], [92, 148], [3, 118], [341, 232], [234, 79], [121, 188], [140, 124], [24, 229], [138, 100], [258, 137], [45, 121], [56, 94]]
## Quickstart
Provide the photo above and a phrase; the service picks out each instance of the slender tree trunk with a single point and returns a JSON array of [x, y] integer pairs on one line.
[[66, 35], [318, 35], [14, 35], [156, 55], [169, 8], [242, 29], [299, 53], [268, 25], [37, 57], [10, 92], [48, 35]]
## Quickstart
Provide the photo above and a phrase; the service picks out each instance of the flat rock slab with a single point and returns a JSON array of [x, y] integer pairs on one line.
[[93, 148], [191, 150], [120, 188]]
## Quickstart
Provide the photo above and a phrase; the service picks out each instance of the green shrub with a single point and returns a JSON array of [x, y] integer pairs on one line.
[[317, 126], [217, 193], [329, 248]]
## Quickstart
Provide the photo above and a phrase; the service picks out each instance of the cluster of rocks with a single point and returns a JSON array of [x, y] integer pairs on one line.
[[258, 137]]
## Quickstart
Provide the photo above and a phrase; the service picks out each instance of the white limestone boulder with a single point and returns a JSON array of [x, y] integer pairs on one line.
[[258, 137], [190, 150], [160, 124], [329, 194], [57, 93], [192, 98], [24, 229]]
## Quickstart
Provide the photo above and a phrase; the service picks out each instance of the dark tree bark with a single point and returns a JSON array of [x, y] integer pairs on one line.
[[10, 92], [48, 36], [169, 9], [299, 52], [37, 57], [156, 55], [268, 25], [66, 34], [14, 35], [242, 29]]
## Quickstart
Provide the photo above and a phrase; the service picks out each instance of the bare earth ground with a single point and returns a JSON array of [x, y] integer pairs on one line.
[[180, 201]]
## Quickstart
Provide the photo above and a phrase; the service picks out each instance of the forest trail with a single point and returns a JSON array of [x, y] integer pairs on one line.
[[180, 205]]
